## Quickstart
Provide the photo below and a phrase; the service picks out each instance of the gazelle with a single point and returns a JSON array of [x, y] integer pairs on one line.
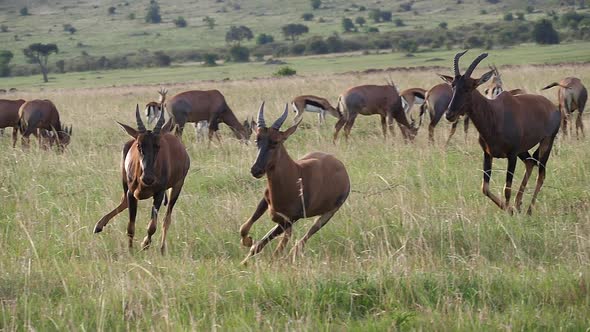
[[38, 115], [194, 106], [373, 99], [9, 116], [572, 95], [509, 126], [153, 162], [154, 109], [315, 185], [315, 104], [411, 97]]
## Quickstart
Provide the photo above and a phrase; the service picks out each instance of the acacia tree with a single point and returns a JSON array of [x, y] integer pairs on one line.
[[238, 33], [293, 31], [38, 53], [5, 58]]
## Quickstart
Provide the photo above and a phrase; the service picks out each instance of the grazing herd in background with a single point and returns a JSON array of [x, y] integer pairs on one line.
[[155, 162]]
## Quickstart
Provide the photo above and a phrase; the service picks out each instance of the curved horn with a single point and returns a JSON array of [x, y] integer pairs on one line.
[[474, 64], [456, 62], [140, 126], [260, 121], [159, 124], [277, 125]]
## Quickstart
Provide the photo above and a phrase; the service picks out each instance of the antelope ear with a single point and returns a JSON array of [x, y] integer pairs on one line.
[[132, 132], [485, 92], [486, 77], [446, 78], [291, 129]]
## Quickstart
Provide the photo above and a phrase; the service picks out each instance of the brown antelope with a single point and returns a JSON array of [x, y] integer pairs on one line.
[[38, 115], [409, 98], [315, 185], [194, 106], [373, 99], [315, 104], [572, 95], [509, 126], [437, 103], [153, 162], [9, 116]]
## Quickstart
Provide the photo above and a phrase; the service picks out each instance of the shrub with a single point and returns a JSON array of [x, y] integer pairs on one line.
[[520, 16], [408, 45], [544, 33], [297, 49], [5, 58], [362, 8], [131, 16], [69, 28], [153, 13], [474, 42], [318, 46], [443, 25], [239, 53], [315, 4], [508, 17], [111, 10], [405, 7], [209, 59], [3, 28], [24, 11], [209, 21], [161, 59], [263, 38], [399, 22], [347, 24], [180, 22], [360, 21], [307, 16], [373, 29], [386, 15], [285, 71], [530, 9], [375, 15]]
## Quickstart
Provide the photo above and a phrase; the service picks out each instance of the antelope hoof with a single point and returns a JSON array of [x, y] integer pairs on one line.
[[146, 243], [97, 229], [246, 241], [163, 250], [529, 212], [510, 210]]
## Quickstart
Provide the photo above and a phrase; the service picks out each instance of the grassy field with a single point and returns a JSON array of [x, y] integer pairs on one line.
[[416, 246], [307, 67], [101, 34]]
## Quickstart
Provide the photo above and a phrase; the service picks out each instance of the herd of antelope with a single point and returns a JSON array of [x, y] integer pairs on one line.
[[154, 163]]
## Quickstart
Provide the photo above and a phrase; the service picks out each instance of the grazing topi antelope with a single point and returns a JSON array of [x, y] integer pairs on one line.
[[509, 126], [153, 162], [373, 99], [210, 105], [38, 115], [9, 116], [315, 104], [315, 185], [572, 95]]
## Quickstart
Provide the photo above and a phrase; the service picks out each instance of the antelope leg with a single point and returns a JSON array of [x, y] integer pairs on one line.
[[529, 164], [168, 218], [317, 225], [158, 198], [487, 175], [543, 151], [274, 232], [132, 202], [245, 228], [104, 220], [508, 184]]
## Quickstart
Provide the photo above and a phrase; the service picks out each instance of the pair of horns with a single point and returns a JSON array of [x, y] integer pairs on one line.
[[141, 126], [471, 68], [277, 124]]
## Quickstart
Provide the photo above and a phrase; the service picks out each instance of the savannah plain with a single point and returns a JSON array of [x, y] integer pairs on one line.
[[417, 246]]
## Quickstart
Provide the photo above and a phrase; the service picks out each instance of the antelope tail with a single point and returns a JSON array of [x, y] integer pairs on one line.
[[342, 109], [553, 85]]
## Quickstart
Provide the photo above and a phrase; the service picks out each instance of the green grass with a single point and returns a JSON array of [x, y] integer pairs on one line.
[[416, 246], [102, 34], [308, 67]]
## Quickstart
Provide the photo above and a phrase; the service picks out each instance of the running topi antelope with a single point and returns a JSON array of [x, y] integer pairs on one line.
[[38, 115], [572, 95], [315, 185], [315, 104], [194, 106], [509, 126], [9, 116], [154, 109], [154, 164], [373, 99]]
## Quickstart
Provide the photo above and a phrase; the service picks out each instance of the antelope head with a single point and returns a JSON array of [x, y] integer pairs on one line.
[[249, 124], [162, 94], [147, 143], [269, 141], [463, 86]]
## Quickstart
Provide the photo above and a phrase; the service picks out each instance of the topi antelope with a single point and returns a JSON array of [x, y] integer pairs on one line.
[[154, 109], [409, 98], [437, 103], [9, 116], [509, 126], [373, 99], [315, 185], [38, 115], [315, 104], [153, 162], [572, 95], [194, 106]]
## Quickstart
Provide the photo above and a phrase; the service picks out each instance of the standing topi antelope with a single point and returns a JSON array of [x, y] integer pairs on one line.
[[315, 104], [153, 162], [195, 106], [9, 116], [38, 115], [315, 185], [572, 95], [373, 99], [509, 126]]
